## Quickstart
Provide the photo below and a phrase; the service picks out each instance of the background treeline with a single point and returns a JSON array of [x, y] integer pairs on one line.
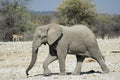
[[15, 18]]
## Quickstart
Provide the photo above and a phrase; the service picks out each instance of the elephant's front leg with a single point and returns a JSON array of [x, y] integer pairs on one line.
[[61, 57], [48, 60], [80, 60]]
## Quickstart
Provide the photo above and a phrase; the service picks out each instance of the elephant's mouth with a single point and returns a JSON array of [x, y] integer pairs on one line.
[[45, 41]]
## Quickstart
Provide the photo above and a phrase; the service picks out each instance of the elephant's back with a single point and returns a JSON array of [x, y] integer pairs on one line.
[[81, 28], [82, 31], [78, 31]]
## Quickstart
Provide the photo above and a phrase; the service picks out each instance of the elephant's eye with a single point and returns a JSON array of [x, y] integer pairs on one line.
[[39, 36]]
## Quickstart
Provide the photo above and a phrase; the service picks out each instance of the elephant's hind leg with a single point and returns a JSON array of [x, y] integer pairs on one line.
[[96, 54], [80, 60], [103, 66], [48, 60]]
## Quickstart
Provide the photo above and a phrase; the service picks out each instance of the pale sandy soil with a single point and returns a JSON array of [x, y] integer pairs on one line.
[[15, 58]]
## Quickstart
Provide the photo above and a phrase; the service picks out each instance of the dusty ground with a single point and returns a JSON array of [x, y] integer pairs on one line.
[[15, 58]]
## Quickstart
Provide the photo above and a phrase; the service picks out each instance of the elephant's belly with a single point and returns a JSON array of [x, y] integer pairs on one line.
[[77, 49], [86, 54]]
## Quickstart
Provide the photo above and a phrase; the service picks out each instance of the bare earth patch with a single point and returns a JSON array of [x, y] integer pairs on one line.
[[15, 58]]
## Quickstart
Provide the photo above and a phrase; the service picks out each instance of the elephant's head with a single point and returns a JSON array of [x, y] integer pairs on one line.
[[44, 34]]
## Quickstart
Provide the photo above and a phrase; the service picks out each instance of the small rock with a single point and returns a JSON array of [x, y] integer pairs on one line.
[[113, 70]]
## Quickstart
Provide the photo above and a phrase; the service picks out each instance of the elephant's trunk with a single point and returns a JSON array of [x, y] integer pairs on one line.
[[34, 57]]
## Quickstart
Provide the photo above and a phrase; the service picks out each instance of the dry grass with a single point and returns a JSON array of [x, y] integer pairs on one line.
[[15, 58]]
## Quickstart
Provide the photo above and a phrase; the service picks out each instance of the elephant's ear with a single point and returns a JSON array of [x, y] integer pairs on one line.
[[54, 32]]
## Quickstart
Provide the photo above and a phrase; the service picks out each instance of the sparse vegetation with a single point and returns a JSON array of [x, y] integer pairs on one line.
[[72, 12], [15, 18], [108, 25], [15, 57]]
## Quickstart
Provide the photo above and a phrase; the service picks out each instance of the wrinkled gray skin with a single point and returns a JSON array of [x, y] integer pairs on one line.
[[77, 40]]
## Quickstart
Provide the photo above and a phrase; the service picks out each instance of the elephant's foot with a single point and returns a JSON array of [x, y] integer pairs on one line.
[[47, 72], [62, 74], [75, 73], [106, 71]]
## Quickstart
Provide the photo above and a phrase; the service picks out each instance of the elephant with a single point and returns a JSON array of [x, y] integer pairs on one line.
[[78, 40]]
